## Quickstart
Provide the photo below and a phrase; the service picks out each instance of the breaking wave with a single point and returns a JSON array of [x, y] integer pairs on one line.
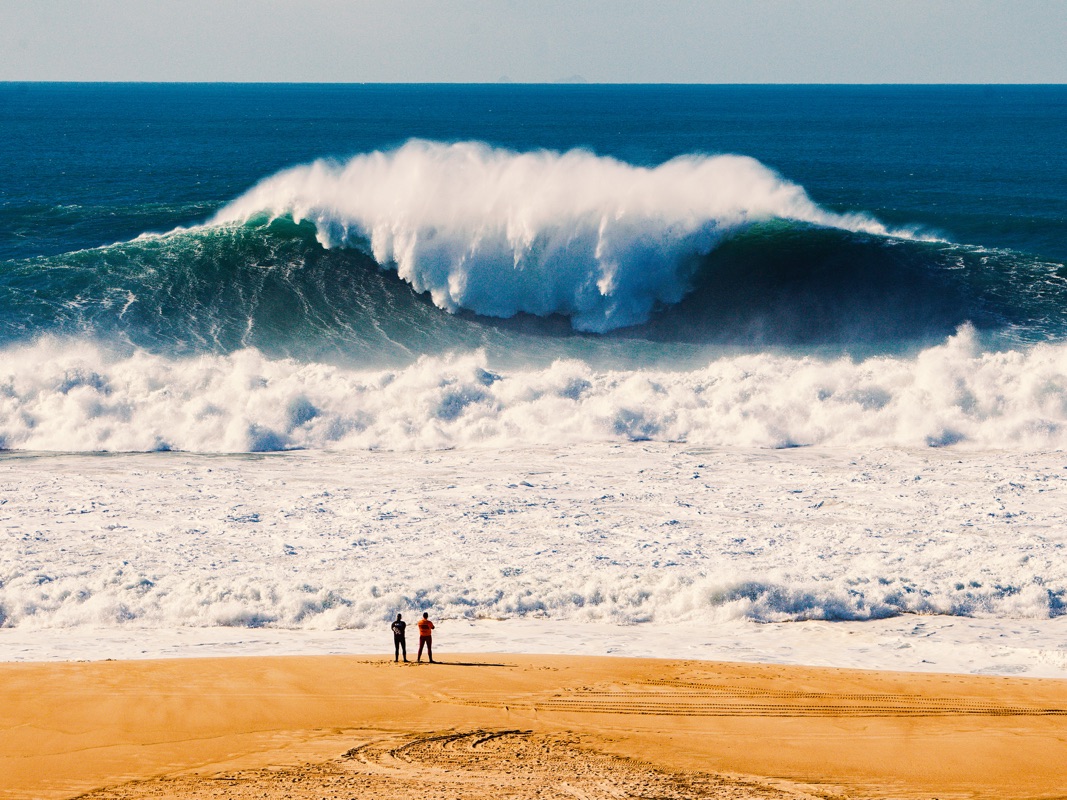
[[597, 240], [352, 263]]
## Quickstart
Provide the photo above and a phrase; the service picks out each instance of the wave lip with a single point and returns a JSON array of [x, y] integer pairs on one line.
[[497, 232]]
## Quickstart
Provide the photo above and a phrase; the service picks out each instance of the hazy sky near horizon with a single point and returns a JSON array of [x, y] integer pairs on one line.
[[602, 41]]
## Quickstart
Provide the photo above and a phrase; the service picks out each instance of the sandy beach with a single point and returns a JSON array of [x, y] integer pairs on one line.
[[522, 726]]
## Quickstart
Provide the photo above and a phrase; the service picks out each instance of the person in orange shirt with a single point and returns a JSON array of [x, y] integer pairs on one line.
[[425, 637]]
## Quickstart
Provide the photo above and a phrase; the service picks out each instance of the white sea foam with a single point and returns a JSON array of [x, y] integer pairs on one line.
[[497, 232], [638, 548], [75, 396]]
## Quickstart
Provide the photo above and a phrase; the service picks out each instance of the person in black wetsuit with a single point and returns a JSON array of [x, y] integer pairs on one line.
[[399, 642]]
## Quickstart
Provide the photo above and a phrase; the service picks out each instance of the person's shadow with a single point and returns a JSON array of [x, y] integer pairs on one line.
[[437, 661]]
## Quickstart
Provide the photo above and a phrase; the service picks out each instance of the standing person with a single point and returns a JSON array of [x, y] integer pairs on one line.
[[425, 636], [399, 641]]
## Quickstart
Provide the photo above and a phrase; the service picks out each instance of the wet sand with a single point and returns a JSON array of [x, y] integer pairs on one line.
[[522, 726]]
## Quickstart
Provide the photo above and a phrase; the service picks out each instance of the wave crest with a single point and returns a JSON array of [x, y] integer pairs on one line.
[[497, 232]]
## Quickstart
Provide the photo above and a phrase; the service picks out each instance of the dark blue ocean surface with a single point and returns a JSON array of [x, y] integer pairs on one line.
[[969, 183]]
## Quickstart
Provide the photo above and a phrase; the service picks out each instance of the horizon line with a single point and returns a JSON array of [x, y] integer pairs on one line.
[[563, 83]]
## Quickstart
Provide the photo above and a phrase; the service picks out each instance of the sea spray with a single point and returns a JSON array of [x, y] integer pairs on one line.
[[496, 232]]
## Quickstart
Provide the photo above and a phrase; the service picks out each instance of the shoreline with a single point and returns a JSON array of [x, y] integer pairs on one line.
[[907, 643], [168, 726]]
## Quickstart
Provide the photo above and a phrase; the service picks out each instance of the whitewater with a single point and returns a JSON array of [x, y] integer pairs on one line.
[[767, 379], [59, 396], [902, 513], [928, 559]]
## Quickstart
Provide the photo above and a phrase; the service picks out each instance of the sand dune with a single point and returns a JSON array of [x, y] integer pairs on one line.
[[522, 726]]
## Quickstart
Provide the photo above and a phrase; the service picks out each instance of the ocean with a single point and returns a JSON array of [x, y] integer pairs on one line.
[[568, 333]]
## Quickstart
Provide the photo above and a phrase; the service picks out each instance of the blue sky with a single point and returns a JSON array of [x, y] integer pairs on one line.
[[628, 41]]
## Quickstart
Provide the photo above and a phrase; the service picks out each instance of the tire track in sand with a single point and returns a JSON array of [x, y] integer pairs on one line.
[[480, 764], [695, 699]]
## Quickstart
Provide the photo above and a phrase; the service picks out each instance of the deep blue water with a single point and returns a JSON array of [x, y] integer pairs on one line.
[[88, 168]]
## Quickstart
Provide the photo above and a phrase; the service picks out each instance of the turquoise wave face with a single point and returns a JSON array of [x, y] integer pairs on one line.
[[273, 287]]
